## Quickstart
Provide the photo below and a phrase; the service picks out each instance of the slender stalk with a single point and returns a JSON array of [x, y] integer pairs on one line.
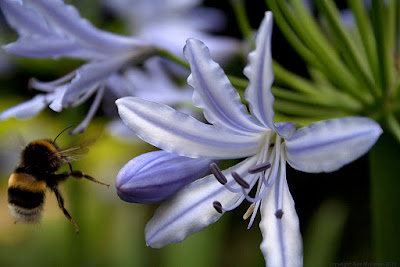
[[243, 21], [329, 61], [237, 82], [354, 57], [323, 101], [293, 80], [315, 112], [291, 35], [166, 54], [367, 36], [380, 21], [393, 125]]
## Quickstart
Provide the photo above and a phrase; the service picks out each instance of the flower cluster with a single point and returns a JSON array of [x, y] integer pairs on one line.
[[52, 29], [152, 105]]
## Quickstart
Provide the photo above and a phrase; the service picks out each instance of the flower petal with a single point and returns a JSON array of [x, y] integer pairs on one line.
[[24, 20], [191, 209], [67, 20], [54, 29], [261, 76], [90, 75], [281, 245], [328, 145], [163, 88], [180, 133], [152, 177], [214, 93], [26, 109], [34, 47]]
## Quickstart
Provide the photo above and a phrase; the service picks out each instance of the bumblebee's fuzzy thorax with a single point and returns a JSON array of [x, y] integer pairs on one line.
[[41, 156]]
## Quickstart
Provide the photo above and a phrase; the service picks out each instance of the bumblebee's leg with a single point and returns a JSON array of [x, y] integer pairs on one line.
[[79, 174], [61, 205], [52, 180]]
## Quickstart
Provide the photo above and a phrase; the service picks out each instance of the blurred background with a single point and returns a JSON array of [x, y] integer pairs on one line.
[[334, 209]]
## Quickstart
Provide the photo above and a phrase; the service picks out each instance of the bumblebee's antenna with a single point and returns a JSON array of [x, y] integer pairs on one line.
[[61, 133]]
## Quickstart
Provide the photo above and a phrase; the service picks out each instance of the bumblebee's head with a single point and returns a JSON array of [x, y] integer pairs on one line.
[[41, 156]]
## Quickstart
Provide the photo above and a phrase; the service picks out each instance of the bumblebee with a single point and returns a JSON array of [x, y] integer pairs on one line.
[[40, 160]]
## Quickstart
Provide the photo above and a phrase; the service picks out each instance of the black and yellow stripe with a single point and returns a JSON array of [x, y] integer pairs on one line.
[[25, 197]]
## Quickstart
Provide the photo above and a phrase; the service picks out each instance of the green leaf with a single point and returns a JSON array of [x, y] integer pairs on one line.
[[323, 236], [385, 198]]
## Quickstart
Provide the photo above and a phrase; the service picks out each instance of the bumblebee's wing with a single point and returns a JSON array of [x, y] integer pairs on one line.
[[76, 151]]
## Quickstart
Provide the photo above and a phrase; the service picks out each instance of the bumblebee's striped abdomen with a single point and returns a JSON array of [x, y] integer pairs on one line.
[[26, 182], [25, 197]]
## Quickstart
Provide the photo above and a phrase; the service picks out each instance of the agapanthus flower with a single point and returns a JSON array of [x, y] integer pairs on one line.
[[234, 133], [168, 23], [153, 82], [50, 28]]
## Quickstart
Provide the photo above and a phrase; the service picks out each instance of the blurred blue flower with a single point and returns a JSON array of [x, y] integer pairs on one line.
[[50, 28], [152, 82], [168, 23], [234, 133]]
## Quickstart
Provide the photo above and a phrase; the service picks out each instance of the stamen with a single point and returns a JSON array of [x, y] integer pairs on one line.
[[232, 207], [217, 206], [240, 180], [259, 168], [279, 214], [255, 199], [253, 216], [282, 180], [218, 174], [249, 211], [92, 111], [221, 178], [50, 86]]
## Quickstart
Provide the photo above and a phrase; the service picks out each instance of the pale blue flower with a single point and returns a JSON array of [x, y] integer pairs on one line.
[[152, 82], [50, 28], [234, 133], [168, 23], [154, 176]]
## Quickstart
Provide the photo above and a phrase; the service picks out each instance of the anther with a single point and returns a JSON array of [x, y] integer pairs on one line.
[[259, 168], [217, 206], [249, 211], [218, 174], [279, 214], [240, 180]]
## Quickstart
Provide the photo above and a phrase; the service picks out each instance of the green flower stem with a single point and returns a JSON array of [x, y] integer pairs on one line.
[[380, 21], [393, 126], [237, 82], [291, 36], [325, 55], [292, 80], [348, 48], [306, 110], [242, 20], [366, 33], [391, 44], [322, 94], [322, 100], [397, 45], [166, 54]]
